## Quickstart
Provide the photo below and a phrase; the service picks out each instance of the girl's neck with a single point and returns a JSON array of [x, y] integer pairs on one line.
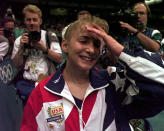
[[75, 75], [77, 81]]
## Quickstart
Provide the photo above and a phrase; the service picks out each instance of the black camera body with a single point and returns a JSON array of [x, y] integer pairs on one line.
[[128, 16], [7, 32], [34, 36]]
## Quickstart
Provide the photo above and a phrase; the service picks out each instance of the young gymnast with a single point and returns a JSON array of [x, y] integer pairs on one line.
[[79, 98]]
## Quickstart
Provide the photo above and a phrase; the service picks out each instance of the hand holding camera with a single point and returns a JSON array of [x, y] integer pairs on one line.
[[128, 27], [35, 40], [32, 40], [34, 36], [24, 39]]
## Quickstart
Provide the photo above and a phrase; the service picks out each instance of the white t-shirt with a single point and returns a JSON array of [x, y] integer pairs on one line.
[[37, 62], [4, 47]]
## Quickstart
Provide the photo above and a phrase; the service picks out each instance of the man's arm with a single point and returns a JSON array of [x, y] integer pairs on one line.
[[18, 59], [145, 72], [147, 42], [52, 53], [54, 56], [140, 85], [18, 50]]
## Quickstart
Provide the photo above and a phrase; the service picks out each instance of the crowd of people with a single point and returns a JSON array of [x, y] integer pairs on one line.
[[86, 79]]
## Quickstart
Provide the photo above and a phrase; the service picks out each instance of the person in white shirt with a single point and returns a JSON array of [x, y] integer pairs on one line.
[[31, 51]]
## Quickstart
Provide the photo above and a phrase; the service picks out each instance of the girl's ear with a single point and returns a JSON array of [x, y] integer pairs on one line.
[[64, 46]]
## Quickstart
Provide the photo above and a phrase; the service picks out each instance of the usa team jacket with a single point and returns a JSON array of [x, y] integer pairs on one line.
[[112, 98]]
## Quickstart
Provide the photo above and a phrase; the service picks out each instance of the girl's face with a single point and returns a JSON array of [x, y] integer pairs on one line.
[[83, 50]]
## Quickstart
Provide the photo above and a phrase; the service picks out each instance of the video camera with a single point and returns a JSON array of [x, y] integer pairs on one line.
[[128, 16]]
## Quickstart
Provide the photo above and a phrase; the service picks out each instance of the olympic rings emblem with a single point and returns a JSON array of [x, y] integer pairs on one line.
[[6, 73]]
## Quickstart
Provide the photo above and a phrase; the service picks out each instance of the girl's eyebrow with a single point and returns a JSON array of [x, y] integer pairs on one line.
[[85, 37], [88, 37]]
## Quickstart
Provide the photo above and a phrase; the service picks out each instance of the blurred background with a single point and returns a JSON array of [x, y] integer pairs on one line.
[[59, 13]]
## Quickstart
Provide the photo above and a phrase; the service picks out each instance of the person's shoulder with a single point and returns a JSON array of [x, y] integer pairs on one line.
[[152, 30], [153, 33], [3, 39], [100, 73], [38, 95], [43, 32], [50, 32], [18, 39], [4, 46], [39, 87], [43, 82]]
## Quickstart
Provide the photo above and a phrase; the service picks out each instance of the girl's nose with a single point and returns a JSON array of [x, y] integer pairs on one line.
[[91, 48]]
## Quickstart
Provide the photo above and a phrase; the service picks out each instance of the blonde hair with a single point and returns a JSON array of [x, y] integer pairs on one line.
[[80, 24], [32, 9]]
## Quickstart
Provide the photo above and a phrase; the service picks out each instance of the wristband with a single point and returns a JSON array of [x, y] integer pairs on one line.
[[136, 33]]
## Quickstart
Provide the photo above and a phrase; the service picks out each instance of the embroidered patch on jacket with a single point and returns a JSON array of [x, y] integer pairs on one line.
[[56, 114]]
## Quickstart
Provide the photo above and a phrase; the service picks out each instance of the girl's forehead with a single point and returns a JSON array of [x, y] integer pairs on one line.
[[82, 28], [76, 28], [81, 33]]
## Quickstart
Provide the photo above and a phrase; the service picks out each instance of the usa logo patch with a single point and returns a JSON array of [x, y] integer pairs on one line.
[[56, 114]]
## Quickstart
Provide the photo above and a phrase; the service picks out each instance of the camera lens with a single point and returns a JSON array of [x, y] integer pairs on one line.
[[34, 36]]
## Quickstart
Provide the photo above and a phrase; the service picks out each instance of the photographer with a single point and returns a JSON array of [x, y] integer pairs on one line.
[[31, 51], [140, 34], [8, 30]]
